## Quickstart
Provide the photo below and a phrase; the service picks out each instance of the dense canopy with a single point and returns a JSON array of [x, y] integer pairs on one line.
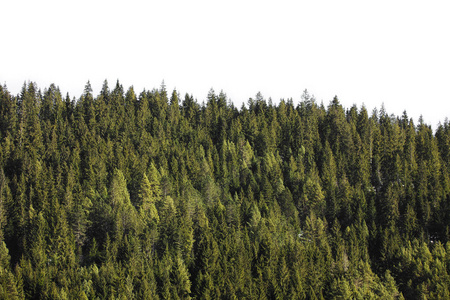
[[152, 196]]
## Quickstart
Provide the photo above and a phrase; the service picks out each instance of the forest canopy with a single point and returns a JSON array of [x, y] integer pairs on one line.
[[155, 196]]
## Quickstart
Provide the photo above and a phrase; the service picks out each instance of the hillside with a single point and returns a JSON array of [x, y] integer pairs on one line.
[[154, 196]]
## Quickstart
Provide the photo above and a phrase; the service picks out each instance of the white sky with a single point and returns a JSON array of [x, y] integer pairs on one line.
[[391, 52]]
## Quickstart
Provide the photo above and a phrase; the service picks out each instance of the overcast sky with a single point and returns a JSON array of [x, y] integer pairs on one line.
[[391, 52]]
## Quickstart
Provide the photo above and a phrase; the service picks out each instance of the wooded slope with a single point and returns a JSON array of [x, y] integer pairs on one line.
[[151, 196]]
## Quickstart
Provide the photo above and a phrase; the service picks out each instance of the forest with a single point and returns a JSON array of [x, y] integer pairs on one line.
[[153, 196]]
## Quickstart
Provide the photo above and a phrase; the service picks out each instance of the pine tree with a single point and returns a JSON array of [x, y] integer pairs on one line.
[[125, 214], [149, 197]]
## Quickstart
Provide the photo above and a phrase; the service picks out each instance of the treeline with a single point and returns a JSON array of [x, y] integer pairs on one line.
[[149, 196]]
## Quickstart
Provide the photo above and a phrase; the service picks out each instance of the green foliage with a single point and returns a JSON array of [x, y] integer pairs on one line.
[[149, 196], [152, 196]]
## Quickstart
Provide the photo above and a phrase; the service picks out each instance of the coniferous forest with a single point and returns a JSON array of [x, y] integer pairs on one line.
[[153, 196]]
